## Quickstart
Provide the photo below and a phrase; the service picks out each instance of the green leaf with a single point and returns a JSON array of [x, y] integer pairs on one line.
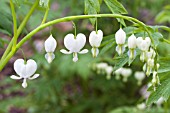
[[164, 65], [115, 6], [109, 45], [163, 17], [157, 37], [92, 7], [163, 90], [3, 42]]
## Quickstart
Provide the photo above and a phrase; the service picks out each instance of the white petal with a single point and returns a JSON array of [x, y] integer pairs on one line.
[[148, 40], [139, 41], [18, 66], [31, 68], [75, 57], [84, 51], [34, 77], [95, 39], [69, 42], [24, 84], [49, 57], [65, 51], [120, 36], [139, 75], [50, 44], [74, 44], [15, 77], [132, 42], [95, 52]]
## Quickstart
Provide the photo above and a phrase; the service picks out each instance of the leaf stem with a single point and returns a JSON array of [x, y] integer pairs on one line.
[[45, 16]]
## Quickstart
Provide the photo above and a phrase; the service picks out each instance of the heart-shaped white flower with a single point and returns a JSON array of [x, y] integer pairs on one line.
[[50, 46], [74, 45], [143, 44], [95, 40], [25, 70], [120, 36]]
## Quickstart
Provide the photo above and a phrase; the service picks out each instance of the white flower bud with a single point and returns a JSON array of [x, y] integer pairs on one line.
[[132, 42], [139, 76], [141, 106], [120, 36], [50, 44]]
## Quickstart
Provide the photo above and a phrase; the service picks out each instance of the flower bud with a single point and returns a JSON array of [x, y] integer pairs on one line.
[[132, 42]]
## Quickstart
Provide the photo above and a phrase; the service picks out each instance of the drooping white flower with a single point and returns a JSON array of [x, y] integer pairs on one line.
[[126, 72], [120, 37], [109, 70], [139, 75], [25, 70], [50, 46], [141, 106], [118, 73], [95, 40], [155, 80], [74, 45], [143, 45], [132, 46], [44, 3], [101, 67]]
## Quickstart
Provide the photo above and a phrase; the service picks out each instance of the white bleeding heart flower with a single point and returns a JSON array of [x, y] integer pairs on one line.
[[120, 37], [95, 40], [44, 3], [25, 70], [132, 46], [74, 45], [118, 73], [109, 70], [101, 67], [126, 72], [141, 106], [139, 76], [143, 44], [50, 46]]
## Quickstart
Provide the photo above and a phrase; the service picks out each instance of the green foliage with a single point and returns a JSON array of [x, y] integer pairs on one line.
[[163, 16], [92, 7], [163, 90]]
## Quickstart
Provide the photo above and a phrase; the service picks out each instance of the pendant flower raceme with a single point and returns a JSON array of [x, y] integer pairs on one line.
[[132, 46], [74, 44], [25, 70], [143, 45], [95, 40], [50, 46], [120, 41]]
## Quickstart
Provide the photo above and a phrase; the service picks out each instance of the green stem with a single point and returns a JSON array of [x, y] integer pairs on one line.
[[15, 24], [165, 40], [20, 29], [45, 16], [75, 29], [65, 19], [96, 26]]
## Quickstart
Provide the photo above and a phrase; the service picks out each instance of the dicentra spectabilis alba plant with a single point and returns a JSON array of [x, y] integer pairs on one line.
[[25, 70], [74, 44], [50, 46], [120, 37], [95, 40]]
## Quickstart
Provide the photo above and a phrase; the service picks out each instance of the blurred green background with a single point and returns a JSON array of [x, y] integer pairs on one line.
[[65, 86]]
